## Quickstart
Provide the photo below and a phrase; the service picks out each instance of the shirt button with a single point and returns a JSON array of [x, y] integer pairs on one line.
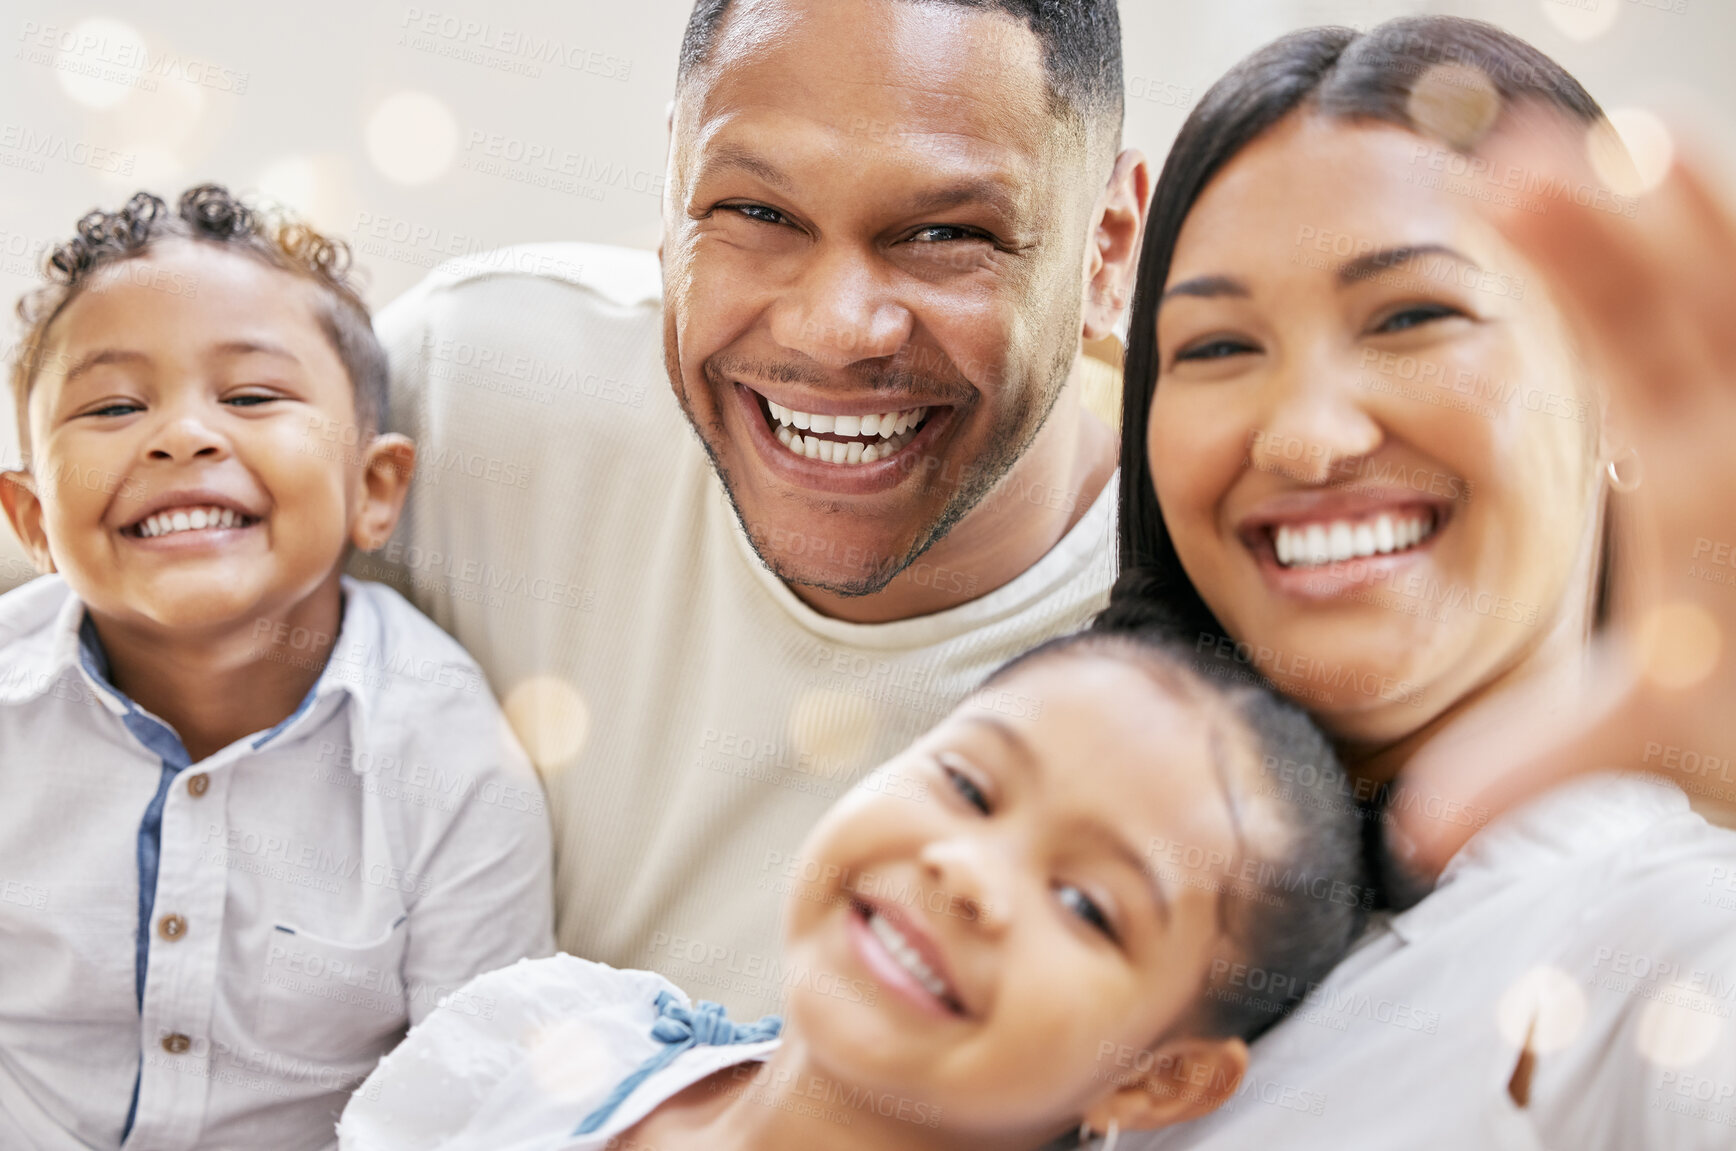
[[176, 1044], [196, 784], [171, 927]]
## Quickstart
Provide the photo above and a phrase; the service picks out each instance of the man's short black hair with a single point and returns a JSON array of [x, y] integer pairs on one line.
[[1081, 42]]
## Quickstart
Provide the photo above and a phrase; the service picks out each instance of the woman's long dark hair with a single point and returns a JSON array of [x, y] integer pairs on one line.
[[1336, 72]]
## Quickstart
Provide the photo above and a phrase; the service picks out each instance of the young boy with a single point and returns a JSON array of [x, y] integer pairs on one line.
[[259, 817]]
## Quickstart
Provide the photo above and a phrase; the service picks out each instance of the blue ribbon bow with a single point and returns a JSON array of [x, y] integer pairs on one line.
[[679, 1028]]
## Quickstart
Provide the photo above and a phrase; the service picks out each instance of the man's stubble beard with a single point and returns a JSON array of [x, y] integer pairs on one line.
[[1015, 434]]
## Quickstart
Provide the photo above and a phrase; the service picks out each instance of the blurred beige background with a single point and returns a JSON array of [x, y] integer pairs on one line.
[[424, 131]]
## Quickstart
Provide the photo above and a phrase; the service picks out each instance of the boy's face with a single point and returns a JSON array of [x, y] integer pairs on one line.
[[191, 385], [1001, 922]]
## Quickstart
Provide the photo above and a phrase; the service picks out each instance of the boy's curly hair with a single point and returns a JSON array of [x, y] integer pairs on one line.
[[210, 214]]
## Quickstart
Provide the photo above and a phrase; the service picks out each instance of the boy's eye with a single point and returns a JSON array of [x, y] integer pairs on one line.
[[118, 408], [1085, 908], [1220, 348], [961, 782], [1413, 317]]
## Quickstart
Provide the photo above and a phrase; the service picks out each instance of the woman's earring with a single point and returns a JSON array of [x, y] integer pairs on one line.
[[1631, 459], [1109, 1137]]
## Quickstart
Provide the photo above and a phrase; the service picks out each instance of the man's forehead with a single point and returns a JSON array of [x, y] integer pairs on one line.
[[878, 69]]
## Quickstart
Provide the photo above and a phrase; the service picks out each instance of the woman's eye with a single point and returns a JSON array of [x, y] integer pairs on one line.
[[962, 783], [1408, 318], [1085, 908], [1218, 349]]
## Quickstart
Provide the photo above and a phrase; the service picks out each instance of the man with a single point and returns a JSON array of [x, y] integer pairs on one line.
[[888, 226]]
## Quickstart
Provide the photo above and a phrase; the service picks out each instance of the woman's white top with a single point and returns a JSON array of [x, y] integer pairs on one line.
[[1600, 920], [519, 1058]]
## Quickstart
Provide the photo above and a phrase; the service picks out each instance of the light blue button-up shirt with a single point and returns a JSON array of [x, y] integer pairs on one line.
[[214, 954]]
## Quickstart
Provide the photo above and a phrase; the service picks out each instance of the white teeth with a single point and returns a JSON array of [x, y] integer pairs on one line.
[[1384, 538], [907, 956], [1338, 540], [865, 438], [187, 520]]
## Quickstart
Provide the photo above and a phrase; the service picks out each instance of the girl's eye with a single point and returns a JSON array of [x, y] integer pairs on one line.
[[972, 794], [759, 212], [1085, 908], [1412, 317], [249, 401], [1217, 349]]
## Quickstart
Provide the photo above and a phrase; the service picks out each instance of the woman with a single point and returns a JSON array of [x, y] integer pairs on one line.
[[1369, 459]]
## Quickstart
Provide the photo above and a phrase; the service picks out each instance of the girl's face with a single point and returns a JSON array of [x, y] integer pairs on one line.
[[993, 929], [1372, 446]]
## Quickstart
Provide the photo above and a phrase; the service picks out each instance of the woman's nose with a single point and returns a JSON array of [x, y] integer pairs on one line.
[[1315, 418]]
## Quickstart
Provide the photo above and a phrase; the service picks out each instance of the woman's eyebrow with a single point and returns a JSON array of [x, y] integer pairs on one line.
[[1206, 288], [1362, 267]]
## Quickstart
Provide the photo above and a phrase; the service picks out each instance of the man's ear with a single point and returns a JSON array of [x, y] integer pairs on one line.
[[24, 512], [1112, 257], [386, 470], [1187, 1078]]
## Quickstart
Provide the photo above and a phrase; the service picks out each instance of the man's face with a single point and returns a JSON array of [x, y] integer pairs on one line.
[[872, 256]]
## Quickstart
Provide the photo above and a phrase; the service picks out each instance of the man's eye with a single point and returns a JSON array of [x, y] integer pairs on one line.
[[1217, 349], [972, 794], [1413, 317], [944, 233], [759, 212], [1085, 908]]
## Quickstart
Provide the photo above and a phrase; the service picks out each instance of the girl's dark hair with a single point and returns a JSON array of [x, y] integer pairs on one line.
[[208, 214], [1336, 72], [1289, 910]]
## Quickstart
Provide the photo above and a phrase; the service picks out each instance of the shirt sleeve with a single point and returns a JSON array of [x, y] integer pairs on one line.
[[482, 892], [424, 1094]]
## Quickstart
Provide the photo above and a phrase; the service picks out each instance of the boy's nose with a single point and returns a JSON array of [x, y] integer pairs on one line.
[[186, 438]]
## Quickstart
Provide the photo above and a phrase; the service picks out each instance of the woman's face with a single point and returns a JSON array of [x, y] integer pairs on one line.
[[1370, 440]]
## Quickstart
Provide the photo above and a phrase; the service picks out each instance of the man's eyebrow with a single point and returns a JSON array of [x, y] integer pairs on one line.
[[737, 156], [1206, 288], [1362, 267]]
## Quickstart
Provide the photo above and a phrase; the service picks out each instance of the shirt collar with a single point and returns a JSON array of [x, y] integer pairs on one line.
[[1568, 822], [73, 652]]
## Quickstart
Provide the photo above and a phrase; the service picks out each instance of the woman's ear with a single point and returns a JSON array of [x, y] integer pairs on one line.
[[386, 469], [24, 512], [1186, 1078]]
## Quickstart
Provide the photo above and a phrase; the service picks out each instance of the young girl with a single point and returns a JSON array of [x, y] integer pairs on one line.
[[1071, 918]]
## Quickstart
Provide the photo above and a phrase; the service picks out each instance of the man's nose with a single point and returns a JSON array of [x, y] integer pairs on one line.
[[1314, 417], [974, 886], [841, 310]]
